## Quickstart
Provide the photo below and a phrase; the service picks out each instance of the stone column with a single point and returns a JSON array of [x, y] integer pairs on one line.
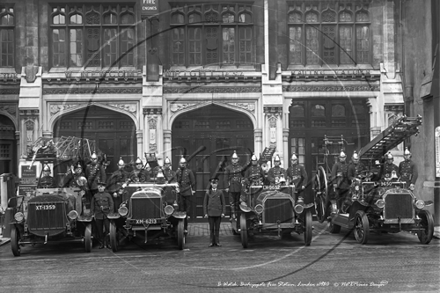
[[273, 128]]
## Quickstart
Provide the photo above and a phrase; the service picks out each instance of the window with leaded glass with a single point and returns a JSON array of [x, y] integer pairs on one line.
[[329, 33], [212, 34], [92, 35], [7, 26]]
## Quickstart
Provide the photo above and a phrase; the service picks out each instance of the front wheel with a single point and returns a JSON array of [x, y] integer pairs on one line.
[[88, 238], [244, 232], [361, 227], [15, 236], [181, 235], [427, 223], [308, 228], [114, 241]]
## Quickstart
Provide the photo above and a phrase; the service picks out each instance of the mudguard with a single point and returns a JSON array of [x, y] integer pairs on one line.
[[179, 215], [113, 216], [85, 218], [309, 205], [245, 208]]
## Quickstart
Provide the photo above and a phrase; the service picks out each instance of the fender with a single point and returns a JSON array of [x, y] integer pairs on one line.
[[179, 215], [245, 208], [309, 205], [85, 218], [113, 216]]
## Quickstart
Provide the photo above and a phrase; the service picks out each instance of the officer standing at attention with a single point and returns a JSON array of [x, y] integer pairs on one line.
[[276, 174], [214, 209], [340, 181], [102, 205], [95, 173], [187, 184], [254, 174], [389, 170], [297, 176], [408, 170], [46, 181], [234, 176], [115, 182]]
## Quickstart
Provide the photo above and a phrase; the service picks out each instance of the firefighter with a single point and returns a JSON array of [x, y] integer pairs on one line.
[[254, 174], [234, 176], [389, 170], [75, 178], [101, 206], [46, 181], [95, 173], [339, 177], [187, 184], [355, 168], [168, 173], [297, 175], [115, 183], [276, 174], [408, 170], [139, 174]]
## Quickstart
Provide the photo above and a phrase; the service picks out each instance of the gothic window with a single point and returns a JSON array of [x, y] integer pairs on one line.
[[7, 25], [92, 35], [328, 32], [212, 34]]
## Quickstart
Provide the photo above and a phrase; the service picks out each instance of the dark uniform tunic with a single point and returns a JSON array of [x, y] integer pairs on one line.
[[387, 171], [339, 178], [254, 175], [46, 182], [95, 173], [297, 175], [139, 176], [114, 185], [408, 172], [214, 206], [274, 173], [102, 204], [234, 176], [354, 170], [71, 180], [187, 183]]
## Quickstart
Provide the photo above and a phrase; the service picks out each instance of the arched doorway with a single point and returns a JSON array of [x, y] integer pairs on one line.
[[220, 131], [113, 132], [8, 146]]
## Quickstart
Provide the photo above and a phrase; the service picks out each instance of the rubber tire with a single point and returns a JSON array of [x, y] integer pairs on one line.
[[114, 241], [428, 223], [15, 247], [181, 235], [308, 228], [244, 232], [361, 227], [88, 238], [334, 229]]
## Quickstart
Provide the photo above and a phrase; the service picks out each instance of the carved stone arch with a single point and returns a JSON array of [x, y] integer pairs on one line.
[[12, 118], [57, 116]]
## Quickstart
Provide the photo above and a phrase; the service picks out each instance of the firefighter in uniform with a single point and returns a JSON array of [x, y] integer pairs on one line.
[[101, 206], [254, 175], [408, 170], [187, 184], [139, 174], [355, 168], [339, 177], [297, 175], [95, 173], [75, 177], [115, 182], [389, 170], [234, 176], [276, 174], [166, 175], [46, 181]]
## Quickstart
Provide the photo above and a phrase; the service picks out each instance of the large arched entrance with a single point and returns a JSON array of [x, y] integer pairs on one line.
[[8, 146], [113, 132], [218, 131]]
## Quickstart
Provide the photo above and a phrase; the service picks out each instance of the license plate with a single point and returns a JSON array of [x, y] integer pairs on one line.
[[45, 207], [146, 221]]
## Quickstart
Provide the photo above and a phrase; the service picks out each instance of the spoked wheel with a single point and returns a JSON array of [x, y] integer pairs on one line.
[[308, 228], [321, 194], [88, 238], [361, 227], [181, 235], [244, 231], [15, 236], [427, 223], [114, 237]]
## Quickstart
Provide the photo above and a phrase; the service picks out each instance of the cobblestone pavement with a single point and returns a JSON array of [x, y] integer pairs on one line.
[[202, 229]]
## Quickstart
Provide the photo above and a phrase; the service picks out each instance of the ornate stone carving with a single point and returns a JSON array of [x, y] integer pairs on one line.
[[152, 147], [94, 90], [152, 111], [29, 125], [175, 107], [207, 89], [55, 108], [246, 106], [394, 108], [272, 121], [275, 111], [126, 107], [152, 122], [328, 88], [11, 109]]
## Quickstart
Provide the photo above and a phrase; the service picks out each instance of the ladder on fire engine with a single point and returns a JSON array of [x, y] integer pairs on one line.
[[391, 137]]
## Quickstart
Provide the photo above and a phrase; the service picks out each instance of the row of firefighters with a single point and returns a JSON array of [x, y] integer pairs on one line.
[[239, 178]]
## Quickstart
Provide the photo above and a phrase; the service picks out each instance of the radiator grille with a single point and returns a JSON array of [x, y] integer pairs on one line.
[[46, 216], [278, 209], [398, 206], [145, 208]]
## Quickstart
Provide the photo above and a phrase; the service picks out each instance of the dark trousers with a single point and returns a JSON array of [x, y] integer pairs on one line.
[[100, 225], [184, 206], [234, 200], [214, 228], [341, 196]]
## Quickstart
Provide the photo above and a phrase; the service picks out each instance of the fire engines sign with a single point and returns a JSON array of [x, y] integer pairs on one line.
[[437, 151], [149, 7]]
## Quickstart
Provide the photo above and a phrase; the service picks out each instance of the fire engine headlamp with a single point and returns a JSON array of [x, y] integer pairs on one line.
[[123, 211], [420, 204], [19, 217], [258, 208], [72, 215], [299, 208], [169, 209], [380, 203]]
